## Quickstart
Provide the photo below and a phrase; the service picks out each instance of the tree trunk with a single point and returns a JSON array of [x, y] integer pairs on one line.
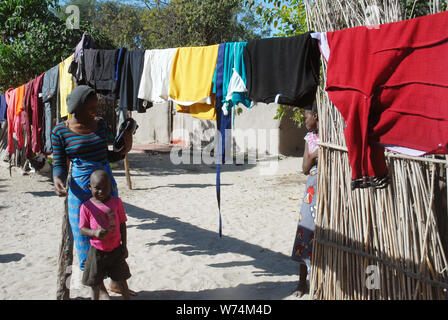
[[127, 172], [65, 260]]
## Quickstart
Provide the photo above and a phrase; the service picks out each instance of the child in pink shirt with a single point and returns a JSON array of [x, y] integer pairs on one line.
[[103, 219]]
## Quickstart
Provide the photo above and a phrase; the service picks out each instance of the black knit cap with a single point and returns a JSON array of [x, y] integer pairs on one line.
[[78, 97], [312, 107]]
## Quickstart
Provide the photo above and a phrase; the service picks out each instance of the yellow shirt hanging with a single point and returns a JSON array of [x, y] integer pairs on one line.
[[191, 81], [66, 85]]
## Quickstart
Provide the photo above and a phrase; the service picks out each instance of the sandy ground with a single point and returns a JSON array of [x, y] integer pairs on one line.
[[174, 247]]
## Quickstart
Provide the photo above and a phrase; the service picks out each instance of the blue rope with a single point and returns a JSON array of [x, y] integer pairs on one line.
[[221, 123]]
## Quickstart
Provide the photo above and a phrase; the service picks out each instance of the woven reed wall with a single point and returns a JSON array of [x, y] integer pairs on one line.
[[400, 231]]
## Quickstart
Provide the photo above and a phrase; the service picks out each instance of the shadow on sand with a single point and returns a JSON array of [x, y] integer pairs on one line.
[[11, 257], [191, 240]]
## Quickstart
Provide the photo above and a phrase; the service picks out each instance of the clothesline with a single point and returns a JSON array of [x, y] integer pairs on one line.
[[186, 76], [384, 99], [206, 82]]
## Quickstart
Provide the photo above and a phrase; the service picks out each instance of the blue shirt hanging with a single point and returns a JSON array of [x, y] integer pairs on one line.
[[3, 108]]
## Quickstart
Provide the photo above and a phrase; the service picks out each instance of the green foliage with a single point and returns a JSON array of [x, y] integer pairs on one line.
[[297, 116], [286, 16], [120, 21], [34, 38], [418, 8], [201, 22], [148, 24]]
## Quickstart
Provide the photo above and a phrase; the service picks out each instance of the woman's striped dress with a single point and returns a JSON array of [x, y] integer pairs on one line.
[[87, 152]]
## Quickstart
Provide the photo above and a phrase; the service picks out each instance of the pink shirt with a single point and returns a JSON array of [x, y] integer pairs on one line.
[[312, 139], [93, 216]]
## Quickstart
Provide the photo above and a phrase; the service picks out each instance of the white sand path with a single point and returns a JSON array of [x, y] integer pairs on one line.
[[174, 247]]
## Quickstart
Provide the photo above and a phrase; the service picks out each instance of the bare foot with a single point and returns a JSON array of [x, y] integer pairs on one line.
[[118, 291]]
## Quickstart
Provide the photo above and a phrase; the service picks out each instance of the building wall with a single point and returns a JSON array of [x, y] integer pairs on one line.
[[154, 126], [193, 132], [261, 117], [271, 136]]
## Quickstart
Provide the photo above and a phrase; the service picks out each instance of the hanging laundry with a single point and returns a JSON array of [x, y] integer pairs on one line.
[[27, 113], [391, 86], [155, 82], [224, 72], [321, 37], [325, 51], [120, 113], [131, 75], [234, 79], [119, 64], [10, 98], [66, 85], [191, 81], [49, 95], [37, 110], [3, 108], [222, 120], [283, 70], [77, 65], [89, 66], [20, 94], [100, 69], [14, 99], [27, 96]]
